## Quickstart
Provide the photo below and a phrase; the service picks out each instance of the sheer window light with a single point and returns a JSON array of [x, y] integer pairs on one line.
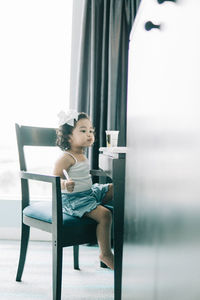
[[35, 57]]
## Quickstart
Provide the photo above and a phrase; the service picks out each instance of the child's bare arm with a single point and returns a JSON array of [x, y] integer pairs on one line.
[[64, 162]]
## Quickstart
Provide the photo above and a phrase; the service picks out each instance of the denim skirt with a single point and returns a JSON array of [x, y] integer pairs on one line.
[[77, 204]]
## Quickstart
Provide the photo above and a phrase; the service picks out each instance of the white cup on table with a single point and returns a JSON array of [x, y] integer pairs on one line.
[[112, 138]]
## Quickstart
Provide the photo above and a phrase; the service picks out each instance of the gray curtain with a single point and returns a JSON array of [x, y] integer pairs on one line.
[[102, 76]]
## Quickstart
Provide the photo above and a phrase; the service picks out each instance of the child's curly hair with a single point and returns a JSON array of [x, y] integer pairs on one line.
[[64, 131]]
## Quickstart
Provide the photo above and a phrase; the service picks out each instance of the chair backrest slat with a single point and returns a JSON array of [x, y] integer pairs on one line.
[[37, 136], [31, 136]]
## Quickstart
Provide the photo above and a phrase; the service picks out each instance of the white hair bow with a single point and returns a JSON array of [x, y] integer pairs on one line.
[[67, 117]]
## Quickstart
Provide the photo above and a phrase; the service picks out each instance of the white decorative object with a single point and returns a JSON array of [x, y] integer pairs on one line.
[[66, 175], [67, 117]]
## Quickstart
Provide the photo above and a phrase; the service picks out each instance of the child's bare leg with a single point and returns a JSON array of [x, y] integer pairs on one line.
[[104, 219], [109, 195]]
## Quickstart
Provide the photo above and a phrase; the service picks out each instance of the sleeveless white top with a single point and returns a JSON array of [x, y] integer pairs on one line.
[[80, 174]]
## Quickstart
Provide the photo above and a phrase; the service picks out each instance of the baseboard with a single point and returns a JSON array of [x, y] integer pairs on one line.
[[14, 233]]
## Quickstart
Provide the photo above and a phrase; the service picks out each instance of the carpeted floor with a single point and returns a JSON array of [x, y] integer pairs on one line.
[[90, 283]]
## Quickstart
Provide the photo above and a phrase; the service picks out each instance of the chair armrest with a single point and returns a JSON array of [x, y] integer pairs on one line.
[[99, 173], [40, 177], [57, 218], [51, 178]]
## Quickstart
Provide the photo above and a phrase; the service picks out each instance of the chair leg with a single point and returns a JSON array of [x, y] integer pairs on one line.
[[76, 257], [57, 270], [23, 250]]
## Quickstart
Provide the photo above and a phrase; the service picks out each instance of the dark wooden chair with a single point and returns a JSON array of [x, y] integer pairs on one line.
[[47, 215]]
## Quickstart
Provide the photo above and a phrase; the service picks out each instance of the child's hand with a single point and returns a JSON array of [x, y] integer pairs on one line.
[[69, 185]]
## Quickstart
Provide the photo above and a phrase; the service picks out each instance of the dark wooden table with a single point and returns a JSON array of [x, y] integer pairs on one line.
[[112, 162]]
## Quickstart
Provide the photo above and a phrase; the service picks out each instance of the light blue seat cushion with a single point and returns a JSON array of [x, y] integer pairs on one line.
[[75, 230]]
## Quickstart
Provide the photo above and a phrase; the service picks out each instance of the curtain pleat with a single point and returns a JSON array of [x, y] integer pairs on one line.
[[103, 65]]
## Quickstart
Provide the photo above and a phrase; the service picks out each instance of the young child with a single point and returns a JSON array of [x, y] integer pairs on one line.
[[79, 196]]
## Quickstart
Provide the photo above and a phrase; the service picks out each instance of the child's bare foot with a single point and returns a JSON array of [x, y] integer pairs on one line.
[[108, 260]]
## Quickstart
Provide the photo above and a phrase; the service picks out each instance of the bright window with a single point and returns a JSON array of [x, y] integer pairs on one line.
[[35, 37]]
